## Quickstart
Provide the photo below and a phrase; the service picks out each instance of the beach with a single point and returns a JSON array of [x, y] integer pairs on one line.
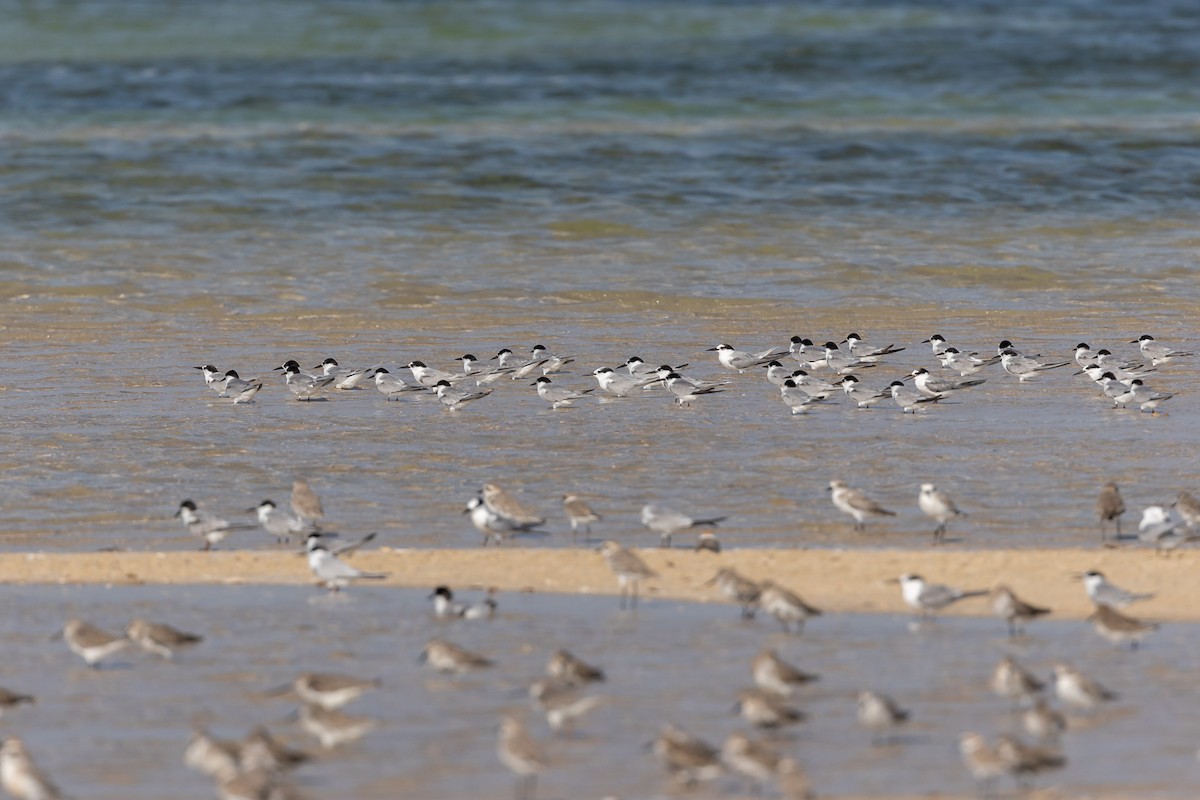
[[837, 581]]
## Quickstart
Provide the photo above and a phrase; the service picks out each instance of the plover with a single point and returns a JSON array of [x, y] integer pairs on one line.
[[518, 751], [448, 657], [785, 606], [333, 728], [305, 503], [687, 758], [1100, 590], [580, 514], [1109, 508], [750, 758], [879, 713], [504, 505], [1119, 628], [737, 588], [772, 674], [10, 700], [929, 598], [1013, 610], [764, 709], [160, 639], [561, 702], [445, 607], [90, 643], [856, 504], [667, 523], [330, 690], [792, 780], [629, 569], [21, 777], [1188, 509], [570, 669], [1076, 689], [1013, 682], [937, 504]]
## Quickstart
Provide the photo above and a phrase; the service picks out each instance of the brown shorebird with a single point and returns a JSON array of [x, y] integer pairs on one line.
[[629, 569], [1118, 628], [1013, 610], [1110, 507]]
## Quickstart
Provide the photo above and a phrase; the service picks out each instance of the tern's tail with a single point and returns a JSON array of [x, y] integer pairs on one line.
[[372, 576], [713, 522]]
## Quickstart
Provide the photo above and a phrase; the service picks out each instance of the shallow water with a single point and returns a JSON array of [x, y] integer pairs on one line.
[[119, 732], [387, 181]]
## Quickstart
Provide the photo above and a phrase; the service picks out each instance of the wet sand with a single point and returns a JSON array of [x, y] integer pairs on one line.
[[836, 581]]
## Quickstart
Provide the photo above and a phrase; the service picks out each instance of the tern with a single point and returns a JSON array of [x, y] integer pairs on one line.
[[932, 386], [684, 391], [1025, 367], [1157, 353], [555, 396], [330, 571], [391, 386], [346, 379], [929, 598], [667, 523], [740, 360], [908, 400], [454, 398], [865, 398], [1101, 591], [864, 352]]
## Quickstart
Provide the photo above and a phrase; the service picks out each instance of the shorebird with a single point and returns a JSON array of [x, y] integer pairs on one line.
[[1188, 508], [1023, 761], [570, 669], [580, 514], [687, 758], [508, 508], [929, 598], [629, 569], [1076, 689], [217, 758], [1013, 610], [1042, 722], [1109, 508], [981, 761], [21, 777], [751, 758], [1119, 628], [1157, 353], [330, 690], [737, 588], [256, 784], [1012, 681], [856, 504], [764, 709], [707, 542], [666, 523], [160, 639], [305, 503], [937, 504], [333, 728], [518, 751], [329, 570], [90, 643], [785, 606], [878, 713], [207, 527], [262, 751], [773, 674], [1101, 591], [445, 607], [561, 702], [448, 657], [10, 700]]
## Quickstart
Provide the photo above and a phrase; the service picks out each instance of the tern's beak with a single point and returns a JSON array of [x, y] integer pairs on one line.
[[1080, 372], [892, 581], [926, 341], [710, 350]]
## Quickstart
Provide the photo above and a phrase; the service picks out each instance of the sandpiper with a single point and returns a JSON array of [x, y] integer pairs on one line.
[[1012, 681], [1119, 628], [856, 504], [1013, 610], [305, 503], [1042, 722], [580, 514], [518, 751], [707, 542], [20, 777], [330, 690], [561, 702], [216, 758], [262, 751], [740, 589], [687, 758], [333, 728], [981, 761], [629, 569], [785, 606], [937, 504], [448, 657], [160, 639], [90, 643], [878, 713], [256, 784], [1076, 689], [773, 674], [1109, 508], [766, 709], [751, 758], [10, 700], [1024, 761], [506, 506], [570, 669]]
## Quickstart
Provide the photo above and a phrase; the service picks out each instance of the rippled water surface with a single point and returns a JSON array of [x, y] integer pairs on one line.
[[119, 732], [240, 183]]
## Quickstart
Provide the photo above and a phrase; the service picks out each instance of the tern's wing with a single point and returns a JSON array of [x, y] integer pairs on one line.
[[350, 548]]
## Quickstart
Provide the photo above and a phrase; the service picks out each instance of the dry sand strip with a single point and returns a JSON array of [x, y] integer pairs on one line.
[[837, 581]]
